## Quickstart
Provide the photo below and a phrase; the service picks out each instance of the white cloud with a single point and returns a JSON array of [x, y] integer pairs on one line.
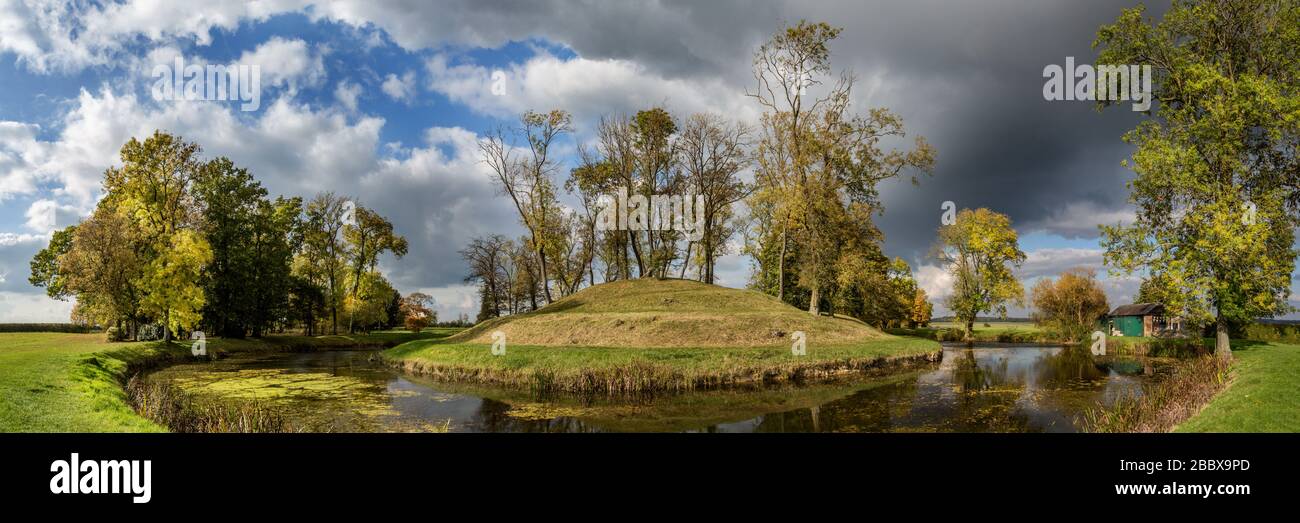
[[286, 63], [936, 281], [401, 88], [590, 88], [347, 93], [19, 155], [1053, 261], [24, 307], [56, 36], [436, 193], [9, 239]]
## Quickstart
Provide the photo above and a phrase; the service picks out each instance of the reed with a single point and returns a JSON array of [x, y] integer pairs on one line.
[[647, 378], [1165, 403], [170, 407]]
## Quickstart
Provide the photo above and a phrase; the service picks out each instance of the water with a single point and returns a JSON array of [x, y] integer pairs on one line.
[[979, 389]]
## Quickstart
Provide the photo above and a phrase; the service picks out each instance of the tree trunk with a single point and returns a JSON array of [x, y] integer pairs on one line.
[[814, 305], [780, 268], [1222, 348], [546, 281], [970, 329], [167, 327], [687, 262], [636, 251]]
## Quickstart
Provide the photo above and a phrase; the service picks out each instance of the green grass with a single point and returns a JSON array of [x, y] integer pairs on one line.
[[47, 384], [624, 370], [1264, 395], [54, 382]]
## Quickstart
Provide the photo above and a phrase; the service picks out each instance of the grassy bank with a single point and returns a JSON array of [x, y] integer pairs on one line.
[[1262, 396], [995, 332], [54, 382], [1256, 393], [632, 371]]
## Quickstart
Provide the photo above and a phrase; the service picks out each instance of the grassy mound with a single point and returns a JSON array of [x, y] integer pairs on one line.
[[648, 313]]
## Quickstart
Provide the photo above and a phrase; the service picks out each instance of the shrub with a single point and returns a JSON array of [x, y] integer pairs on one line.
[[151, 332], [114, 334], [416, 323], [1273, 332]]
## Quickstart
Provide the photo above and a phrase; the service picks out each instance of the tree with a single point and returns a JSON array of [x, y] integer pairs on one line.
[[45, 264], [980, 249], [306, 303], [487, 258], [103, 268], [228, 197], [819, 164], [654, 149], [369, 236], [368, 308], [272, 242], [324, 251], [713, 153], [1217, 191], [416, 311], [153, 191], [171, 279], [1070, 304], [529, 182], [395, 316], [922, 310]]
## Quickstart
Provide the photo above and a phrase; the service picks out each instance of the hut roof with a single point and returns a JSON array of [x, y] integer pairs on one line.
[[1138, 309]]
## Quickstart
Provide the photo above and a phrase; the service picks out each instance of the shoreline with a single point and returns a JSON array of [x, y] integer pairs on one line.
[[111, 372], [646, 372]]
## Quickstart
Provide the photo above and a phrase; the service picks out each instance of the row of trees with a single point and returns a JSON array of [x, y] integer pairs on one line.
[[188, 243], [563, 249], [816, 168]]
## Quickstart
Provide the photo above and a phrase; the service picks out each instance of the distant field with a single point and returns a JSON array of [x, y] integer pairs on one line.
[[992, 326]]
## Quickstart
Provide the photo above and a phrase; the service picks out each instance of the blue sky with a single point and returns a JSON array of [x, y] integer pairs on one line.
[[384, 102]]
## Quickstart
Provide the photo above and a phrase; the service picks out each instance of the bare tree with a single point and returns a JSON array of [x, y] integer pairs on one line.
[[713, 154], [529, 181]]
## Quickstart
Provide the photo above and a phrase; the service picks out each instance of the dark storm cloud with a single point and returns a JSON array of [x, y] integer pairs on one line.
[[966, 75], [969, 78]]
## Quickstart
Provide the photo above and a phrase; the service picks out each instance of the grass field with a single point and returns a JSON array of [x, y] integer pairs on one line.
[[55, 382], [1264, 395], [45, 387]]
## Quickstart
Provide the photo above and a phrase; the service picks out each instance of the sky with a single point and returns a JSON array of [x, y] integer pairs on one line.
[[385, 102]]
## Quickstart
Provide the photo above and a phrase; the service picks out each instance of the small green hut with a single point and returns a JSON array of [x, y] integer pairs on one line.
[[1140, 319]]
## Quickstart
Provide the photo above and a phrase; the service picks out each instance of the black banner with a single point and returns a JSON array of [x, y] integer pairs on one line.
[[321, 473]]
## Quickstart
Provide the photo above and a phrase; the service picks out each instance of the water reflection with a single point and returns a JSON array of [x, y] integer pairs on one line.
[[973, 389]]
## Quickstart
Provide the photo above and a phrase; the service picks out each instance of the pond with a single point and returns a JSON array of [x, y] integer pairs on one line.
[[973, 389]]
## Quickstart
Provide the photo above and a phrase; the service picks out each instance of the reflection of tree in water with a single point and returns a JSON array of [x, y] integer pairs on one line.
[[1070, 367], [968, 375], [985, 397], [492, 417], [876, 409]]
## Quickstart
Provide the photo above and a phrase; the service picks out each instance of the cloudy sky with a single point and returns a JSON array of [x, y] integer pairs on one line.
[[385, 100]]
